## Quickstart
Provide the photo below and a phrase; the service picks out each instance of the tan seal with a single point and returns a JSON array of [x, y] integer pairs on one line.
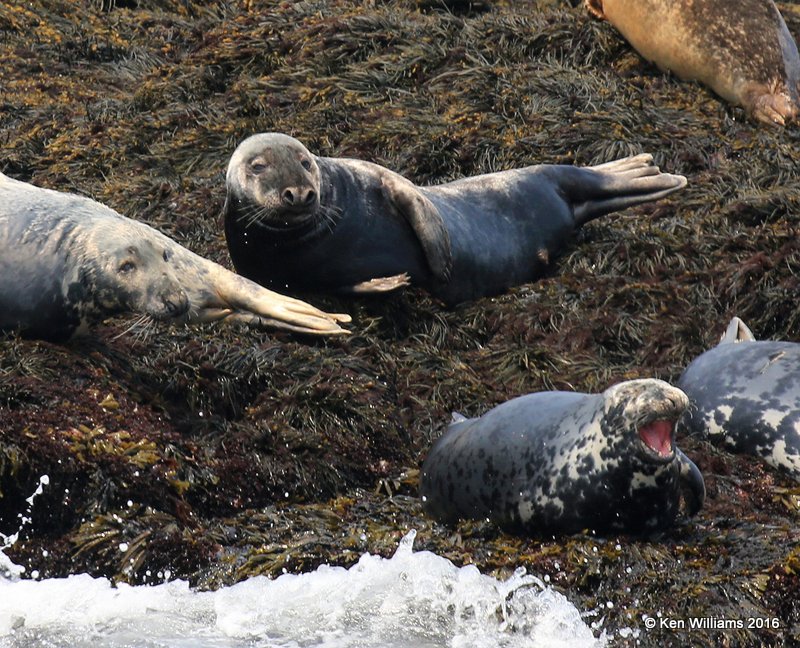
[[742, 50]]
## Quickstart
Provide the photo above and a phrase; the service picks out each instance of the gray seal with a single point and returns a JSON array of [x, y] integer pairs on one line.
[[742, 50], [66, 261], [294, 220], [745, 397], [562, 462]]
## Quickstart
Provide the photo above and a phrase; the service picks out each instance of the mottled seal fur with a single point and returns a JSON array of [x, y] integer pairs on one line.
[[743, 50], [745, 397], [561, 462], [295, 220], [66, 260]]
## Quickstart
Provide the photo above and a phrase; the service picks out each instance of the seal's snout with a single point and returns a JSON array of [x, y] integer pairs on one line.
[[176, 305], [651, 411], [657, 434], [298, 197], [169, 301]]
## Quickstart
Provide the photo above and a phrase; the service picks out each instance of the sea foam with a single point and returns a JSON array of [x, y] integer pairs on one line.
[[413, 599]]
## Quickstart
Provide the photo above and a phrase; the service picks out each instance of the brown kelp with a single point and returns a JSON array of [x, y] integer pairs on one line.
[[243, 452]]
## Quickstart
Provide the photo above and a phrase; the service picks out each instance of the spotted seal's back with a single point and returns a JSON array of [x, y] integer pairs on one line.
[[745, 396]]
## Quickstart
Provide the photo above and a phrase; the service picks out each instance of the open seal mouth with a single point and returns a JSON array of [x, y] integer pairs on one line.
[[656, 438]]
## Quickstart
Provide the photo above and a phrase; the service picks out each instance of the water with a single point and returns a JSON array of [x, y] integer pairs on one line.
[[411, 600]]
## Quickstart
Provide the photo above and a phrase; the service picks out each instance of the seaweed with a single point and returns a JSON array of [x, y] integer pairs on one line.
[[213, 453]]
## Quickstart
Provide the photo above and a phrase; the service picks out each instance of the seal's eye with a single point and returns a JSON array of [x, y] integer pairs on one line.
[[128, 266], [306, 164], [258, 166]]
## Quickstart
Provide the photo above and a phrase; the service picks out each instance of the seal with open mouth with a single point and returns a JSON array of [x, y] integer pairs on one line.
[[66, 260], [562, 462], [745, 396], [294, 220]]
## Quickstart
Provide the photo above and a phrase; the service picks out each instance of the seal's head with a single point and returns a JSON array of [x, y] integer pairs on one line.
[[135, 274], [274, 181], [645, 413]]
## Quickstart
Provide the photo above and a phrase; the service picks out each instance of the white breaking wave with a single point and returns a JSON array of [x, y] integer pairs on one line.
[[412, 600]]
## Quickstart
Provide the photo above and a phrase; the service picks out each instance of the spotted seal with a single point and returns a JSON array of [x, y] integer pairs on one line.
[[745, 397], [744, 53], [561, 462], [294, 220], [66, 260]]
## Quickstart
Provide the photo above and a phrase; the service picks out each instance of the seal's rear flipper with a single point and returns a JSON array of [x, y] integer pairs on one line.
[[737, 331], [693, 488], [769, 106], [595, 8], [616, 185]]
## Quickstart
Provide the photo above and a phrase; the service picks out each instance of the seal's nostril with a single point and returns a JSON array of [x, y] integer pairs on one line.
[[288, 197], [310, 196], [176, 305]]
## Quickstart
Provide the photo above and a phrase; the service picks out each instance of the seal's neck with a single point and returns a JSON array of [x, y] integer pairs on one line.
[[335, 187]]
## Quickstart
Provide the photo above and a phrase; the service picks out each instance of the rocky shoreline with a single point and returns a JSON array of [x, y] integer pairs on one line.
[[215, 453]]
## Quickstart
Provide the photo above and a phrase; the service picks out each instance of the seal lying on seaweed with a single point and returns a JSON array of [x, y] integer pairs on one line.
[[742, 51], [66, 260], [561, 462], [298, 221], [745, 397]]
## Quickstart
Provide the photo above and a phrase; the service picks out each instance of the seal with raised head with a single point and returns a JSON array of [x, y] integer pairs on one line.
[[562, 462], [66, 260], [745, 397], [298, 221], [742, 50]]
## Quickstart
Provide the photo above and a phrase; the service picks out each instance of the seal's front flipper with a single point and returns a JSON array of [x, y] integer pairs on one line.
[[379, 285], [216, 293], [309, 325], [693, 488], [425, 220]]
